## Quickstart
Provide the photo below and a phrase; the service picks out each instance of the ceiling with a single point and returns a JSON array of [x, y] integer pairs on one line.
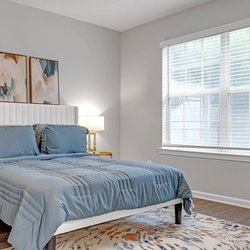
[[118, 15]]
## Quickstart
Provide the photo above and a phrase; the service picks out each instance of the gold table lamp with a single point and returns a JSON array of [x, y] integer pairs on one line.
[[94, 124]]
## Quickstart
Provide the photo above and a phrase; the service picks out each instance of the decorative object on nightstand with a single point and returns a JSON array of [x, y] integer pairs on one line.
[[94, 124]]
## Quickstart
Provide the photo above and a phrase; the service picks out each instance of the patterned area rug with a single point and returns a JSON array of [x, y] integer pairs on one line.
[[155, 230]]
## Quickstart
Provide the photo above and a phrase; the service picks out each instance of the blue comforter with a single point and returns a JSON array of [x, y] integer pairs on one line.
[[39, 193]]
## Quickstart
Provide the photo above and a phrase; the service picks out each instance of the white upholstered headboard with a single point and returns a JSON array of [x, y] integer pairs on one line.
[[27, 114]]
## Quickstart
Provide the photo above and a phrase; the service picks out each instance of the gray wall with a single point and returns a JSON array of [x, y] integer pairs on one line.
[[141, 96], [88, 55]]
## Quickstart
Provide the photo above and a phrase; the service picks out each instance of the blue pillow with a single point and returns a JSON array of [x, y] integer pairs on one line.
[[59, 139], [17, 141]]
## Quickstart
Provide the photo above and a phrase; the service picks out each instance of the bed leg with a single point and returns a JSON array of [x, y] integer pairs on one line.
[[178, 212], [51, 244]]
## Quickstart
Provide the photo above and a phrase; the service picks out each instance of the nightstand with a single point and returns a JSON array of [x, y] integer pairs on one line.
[[102, 153]]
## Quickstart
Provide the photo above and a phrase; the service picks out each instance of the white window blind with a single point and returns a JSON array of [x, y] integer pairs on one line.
[[206, 91]]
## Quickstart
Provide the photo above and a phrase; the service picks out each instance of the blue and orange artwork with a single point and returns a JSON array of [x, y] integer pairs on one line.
[[44, 81], [13, 77]]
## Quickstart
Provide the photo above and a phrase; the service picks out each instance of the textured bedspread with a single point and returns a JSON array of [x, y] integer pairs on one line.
[[38, 194]]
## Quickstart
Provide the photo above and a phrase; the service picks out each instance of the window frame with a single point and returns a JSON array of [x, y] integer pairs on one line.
[[168, 148]]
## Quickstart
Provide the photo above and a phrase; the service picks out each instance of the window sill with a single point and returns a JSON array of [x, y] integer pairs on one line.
[[226, 155]]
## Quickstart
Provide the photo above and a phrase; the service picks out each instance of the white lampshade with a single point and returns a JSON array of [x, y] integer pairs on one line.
[[93, 123]]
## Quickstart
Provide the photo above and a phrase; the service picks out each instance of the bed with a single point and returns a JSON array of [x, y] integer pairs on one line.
[[42, 196]]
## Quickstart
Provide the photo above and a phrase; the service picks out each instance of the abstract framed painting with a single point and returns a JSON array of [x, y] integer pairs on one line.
[[44, 81], [13, 77]]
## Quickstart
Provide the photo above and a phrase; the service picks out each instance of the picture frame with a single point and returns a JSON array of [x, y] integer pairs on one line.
[[44, 81], [13, 78]]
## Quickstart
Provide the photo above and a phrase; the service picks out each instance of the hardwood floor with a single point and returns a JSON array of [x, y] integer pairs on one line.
[[4, 233], [215, 209], [222, 211]]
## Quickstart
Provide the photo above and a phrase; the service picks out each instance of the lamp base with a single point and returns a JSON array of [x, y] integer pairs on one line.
[[91, 142]]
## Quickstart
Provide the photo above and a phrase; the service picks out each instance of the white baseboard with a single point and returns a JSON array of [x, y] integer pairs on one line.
[[222, 199]]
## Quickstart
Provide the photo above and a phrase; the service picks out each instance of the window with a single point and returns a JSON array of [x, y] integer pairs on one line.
[[206, 91]]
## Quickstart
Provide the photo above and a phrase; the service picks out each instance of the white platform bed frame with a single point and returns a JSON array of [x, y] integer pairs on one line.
[[28, 114]]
